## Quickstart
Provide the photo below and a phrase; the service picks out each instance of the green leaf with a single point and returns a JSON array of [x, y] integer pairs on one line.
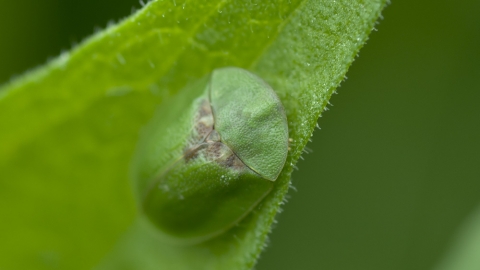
[[465, 251], [68, 129]]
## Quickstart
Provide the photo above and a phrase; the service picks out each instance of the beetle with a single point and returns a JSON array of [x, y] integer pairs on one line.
[[199, 171]]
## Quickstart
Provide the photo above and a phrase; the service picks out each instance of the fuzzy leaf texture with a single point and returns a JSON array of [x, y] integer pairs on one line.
[[68, 129]]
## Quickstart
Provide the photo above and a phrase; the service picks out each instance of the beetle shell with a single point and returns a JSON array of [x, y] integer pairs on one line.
[[251, 120], [198, 176]]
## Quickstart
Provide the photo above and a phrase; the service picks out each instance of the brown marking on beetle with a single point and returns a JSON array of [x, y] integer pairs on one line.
[[193, 151], [233, 162], [203, 123], [215, 151], [206, 141]]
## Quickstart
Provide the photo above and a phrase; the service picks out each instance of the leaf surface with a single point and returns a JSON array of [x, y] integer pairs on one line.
[[68, 129], [464, 252]]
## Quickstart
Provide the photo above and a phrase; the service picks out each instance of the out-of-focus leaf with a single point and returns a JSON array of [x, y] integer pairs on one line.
[[464, 254]]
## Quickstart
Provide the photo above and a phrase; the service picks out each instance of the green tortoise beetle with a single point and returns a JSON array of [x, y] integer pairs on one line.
[[199, 172]]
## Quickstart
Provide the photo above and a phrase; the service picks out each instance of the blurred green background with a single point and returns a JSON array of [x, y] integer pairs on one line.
[[394, 170]]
